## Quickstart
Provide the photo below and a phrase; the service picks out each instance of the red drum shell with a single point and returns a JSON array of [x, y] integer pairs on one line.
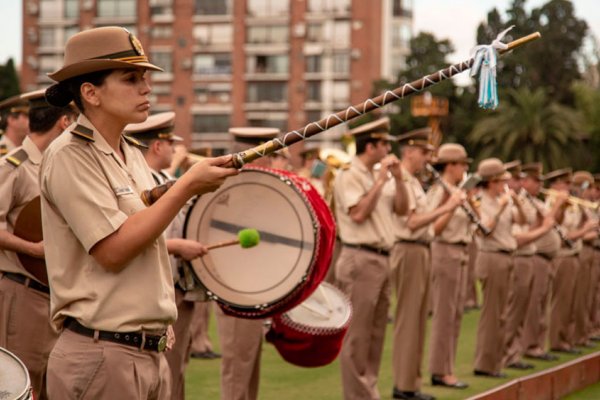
[[324, 239]]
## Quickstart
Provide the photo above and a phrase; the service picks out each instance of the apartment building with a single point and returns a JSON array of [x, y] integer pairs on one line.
[[279, 63]]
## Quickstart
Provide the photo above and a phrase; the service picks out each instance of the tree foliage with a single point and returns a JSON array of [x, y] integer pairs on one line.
[[9, 80]]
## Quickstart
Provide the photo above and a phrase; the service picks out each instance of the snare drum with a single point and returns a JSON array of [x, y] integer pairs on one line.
[[311, 334], [14, 378], [297, 234]]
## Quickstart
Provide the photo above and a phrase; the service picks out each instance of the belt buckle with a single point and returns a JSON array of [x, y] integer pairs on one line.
[[162, 344]]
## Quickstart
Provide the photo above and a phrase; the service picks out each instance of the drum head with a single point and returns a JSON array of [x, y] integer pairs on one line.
[[326, 310], [14, 378], [255, 277]]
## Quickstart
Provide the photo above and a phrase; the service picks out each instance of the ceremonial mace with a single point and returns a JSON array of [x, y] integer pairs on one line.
[[313, 128]]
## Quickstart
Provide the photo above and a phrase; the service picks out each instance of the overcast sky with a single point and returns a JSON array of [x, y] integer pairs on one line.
[[456, 20]]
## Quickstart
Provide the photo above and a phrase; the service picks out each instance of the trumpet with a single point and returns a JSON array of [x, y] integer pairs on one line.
[[573, 200]]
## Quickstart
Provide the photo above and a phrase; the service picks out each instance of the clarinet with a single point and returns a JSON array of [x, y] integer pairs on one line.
[[556, 228], [467, 209]]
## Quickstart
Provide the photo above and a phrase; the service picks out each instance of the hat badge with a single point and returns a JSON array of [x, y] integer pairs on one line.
[[137, 45]]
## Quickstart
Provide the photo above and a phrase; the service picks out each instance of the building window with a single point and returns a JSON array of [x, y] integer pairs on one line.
[[214, 7], [161, 32], [275, 122], [325, 6], [48, 38], [313, 91], [264, 8], [213, 123], [163, 59], [341, 33], [49, 64], [262, 64], [402, 8], [266, 91], [214, 33], [71, 8], [213, 93], [313, 63], [341, 63], [267, 34], [116, 8], [341, 91], [313, 116], [212, 64], [161, 7], [314, 32], [50, 9]]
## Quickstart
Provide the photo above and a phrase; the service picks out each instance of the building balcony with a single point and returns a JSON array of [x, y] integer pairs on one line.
[[267, 76], [266, 105]]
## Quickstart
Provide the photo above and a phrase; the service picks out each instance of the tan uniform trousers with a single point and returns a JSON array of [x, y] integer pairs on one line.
[[199, 327], [364, 276], [583, 288], [241, 346], [25, 329], [595, 308], [411, 267], [561, 304], [493, 270], [179, 355], [519, 294], [448, 287], [80, 368], [471, 291], [337, 249], [535, 328]]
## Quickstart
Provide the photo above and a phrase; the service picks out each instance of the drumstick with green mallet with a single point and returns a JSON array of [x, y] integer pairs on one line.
[[246, 238]]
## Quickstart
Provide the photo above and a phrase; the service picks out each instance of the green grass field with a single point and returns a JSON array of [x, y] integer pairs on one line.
[[280, 380]]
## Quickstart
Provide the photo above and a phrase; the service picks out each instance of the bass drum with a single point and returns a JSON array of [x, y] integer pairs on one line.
[[297, 234], [14, 378]]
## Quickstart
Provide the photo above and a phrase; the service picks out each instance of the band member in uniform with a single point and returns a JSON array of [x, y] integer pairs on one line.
[[312, 167], [493, 266], [156, 133], [111, 284], [535, 328], [521, 281], [201, 345], [24, 300], [595, 309], [241, 339], [364, 205], [566, 265], [449, 258], [14, 122], [410, 264]]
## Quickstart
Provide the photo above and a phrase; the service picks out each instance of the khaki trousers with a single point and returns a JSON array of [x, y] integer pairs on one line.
[[410, 275], [561, 304], [583, 288], [535, 328], [519, 294], [471, 290], [364, 277], [241, 346], [25, 329], [493, 270], [448, 288], [595, 308], [80, 368], [199, 327], [179, 355]]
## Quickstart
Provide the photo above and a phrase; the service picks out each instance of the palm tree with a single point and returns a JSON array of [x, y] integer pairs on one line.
[[529, 127]]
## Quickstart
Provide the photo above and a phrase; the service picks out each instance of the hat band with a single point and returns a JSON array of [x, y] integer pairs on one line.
[[129, 56], [413, 142], [19, 109]]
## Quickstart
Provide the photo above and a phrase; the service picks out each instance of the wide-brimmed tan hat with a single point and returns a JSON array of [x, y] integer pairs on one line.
[[99, 49], [253, 135], [419, 137], [532, 170], [452, 153], [378, 129], [157, 126], [514, 168], [14, 104], [492, 169], [581, 178], [563, 174]]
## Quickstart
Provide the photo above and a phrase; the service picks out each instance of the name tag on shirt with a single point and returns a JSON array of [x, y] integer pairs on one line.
[[123, 191]]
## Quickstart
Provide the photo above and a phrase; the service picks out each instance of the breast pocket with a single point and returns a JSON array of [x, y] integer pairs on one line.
[[130, 203]]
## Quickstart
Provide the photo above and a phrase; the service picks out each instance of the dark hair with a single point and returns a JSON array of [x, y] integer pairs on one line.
[[363, 141], [62, 93], [42, 119], [5, 116]]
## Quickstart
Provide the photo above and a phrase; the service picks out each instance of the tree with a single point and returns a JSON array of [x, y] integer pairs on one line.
[[587, 101], [9, 80], [530, 127]]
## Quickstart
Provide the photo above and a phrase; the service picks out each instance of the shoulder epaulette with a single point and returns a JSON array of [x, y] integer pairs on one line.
[[3, 150], [134, 142], [83, 133], [17, 158]]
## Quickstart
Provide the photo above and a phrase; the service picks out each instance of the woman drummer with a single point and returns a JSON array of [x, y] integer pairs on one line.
[[108, 268]]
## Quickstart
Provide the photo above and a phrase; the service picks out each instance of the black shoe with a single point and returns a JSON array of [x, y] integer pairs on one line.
[[520, 365], [542, 357], [587, 344], [404, 395], [595, 338], [567, 351], [437, 380], [489, 374]]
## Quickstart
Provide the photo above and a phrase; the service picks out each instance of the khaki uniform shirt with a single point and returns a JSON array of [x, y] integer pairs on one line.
[[6, 145], [459, 229], [530, 218], [417, 202], [571, 221], [501, 238], [18, 186], [350, 187], [549, 243], [88, 192]]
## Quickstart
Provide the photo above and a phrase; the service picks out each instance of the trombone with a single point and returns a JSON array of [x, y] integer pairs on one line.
[[573, 200]]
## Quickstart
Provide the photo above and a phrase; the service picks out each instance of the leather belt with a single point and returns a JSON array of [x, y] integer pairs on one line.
[[28, 282], [544, 255], [134, 339], [381, 252], [462, 244], [419, 242]]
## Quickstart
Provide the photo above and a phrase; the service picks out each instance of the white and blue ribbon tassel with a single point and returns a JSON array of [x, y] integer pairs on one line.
[[485, 64]]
